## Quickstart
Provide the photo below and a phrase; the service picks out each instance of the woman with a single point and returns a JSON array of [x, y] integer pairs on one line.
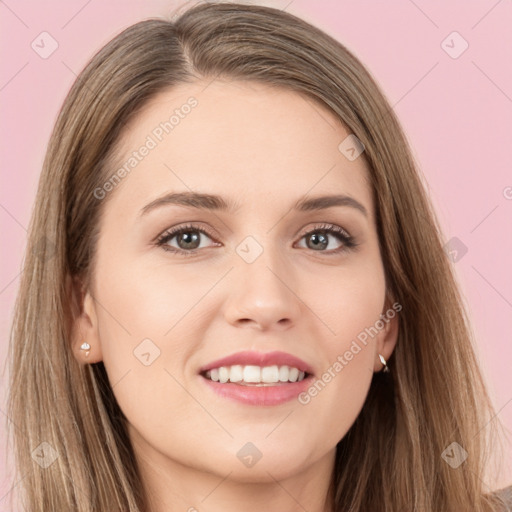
[[235, 291]]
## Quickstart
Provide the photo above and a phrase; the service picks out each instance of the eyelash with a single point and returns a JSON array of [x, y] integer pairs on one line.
[[348, 241]]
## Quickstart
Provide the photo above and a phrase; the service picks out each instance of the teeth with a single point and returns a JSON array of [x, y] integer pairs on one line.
[[270, 374], [251, 374], [294, 375], [236, 373], [223, 374], [284, 371]]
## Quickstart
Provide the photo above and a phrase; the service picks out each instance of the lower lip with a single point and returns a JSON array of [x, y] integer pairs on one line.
[[259, 395]]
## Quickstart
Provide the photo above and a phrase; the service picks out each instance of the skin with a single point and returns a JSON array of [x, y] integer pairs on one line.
[[264, 148]]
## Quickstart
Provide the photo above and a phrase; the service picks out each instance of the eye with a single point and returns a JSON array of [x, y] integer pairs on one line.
[[318, 238], [187, 237]]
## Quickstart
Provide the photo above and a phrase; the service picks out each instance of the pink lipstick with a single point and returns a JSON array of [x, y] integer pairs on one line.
[[258, 378]]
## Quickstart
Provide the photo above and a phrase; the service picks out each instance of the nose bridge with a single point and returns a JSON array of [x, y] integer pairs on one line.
[[262, 265], [263, 283]]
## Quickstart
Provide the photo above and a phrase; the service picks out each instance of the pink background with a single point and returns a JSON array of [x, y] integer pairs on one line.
[[457, 113]]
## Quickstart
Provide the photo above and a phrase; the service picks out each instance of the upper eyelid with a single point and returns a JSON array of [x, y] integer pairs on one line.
[[192, 227]]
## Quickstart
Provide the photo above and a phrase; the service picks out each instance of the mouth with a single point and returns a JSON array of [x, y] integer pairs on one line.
[[255, 378]]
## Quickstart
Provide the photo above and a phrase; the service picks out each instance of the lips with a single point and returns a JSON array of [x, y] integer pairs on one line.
[[258, 379], [261, 359]]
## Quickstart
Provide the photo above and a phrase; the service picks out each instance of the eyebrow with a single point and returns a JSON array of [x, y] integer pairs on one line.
[[217, 203]]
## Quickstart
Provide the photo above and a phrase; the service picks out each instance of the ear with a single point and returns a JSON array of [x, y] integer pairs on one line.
[[388, 335], [84, 324]]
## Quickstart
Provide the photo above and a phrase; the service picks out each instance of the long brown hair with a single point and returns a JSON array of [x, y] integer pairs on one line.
[[70, 437]]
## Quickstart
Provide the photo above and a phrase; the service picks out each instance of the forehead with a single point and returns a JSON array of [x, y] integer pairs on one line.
[[247, 141]]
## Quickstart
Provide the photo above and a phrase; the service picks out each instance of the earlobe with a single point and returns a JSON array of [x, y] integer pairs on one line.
[[387, 338], [85, 343]]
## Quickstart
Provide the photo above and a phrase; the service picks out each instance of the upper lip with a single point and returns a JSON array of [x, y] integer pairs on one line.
[[251, 357]]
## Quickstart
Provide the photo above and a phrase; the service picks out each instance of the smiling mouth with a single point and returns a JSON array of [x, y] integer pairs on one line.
[[251, 375]]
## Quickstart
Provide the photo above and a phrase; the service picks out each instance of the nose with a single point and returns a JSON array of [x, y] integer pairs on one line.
[[262, 295]]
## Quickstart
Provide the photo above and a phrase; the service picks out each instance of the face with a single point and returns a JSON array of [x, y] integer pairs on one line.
[[287, 291]]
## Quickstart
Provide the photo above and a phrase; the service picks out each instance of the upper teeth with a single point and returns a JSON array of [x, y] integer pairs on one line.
[[255, 374]]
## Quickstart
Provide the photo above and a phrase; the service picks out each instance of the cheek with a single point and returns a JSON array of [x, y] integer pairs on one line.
[[348, 348], [348, 301], [148, 329], [333, 401], [140, 301]]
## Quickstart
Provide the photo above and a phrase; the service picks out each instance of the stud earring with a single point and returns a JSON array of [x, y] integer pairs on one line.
[[383, 361], [85, 346]]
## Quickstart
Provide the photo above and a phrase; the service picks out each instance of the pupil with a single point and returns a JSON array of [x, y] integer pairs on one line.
[[189, 239], [315, 237]]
